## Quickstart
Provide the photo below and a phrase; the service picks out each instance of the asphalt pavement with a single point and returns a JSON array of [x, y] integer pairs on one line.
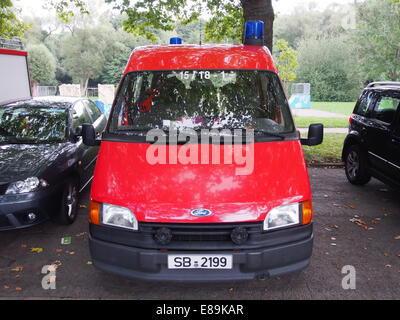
[[355, 227]]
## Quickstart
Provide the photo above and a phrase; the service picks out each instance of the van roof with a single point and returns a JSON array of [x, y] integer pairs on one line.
[[200, 57]]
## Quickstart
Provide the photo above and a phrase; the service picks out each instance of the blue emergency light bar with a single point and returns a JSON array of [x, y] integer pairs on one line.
[[254, 33], [175, 40]]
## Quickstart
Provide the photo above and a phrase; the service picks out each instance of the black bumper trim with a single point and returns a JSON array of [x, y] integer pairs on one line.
[[247, 264]]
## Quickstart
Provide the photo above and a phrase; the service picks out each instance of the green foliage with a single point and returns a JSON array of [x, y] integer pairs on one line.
[[65, 8], [115, 64], [83, 54], [287, 61], [42, 64], [331, 68], [377, 36], [145, 15], [226, 22], [10, 25]]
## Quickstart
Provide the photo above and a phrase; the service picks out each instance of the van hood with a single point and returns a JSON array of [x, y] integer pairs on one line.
[[168, 193]]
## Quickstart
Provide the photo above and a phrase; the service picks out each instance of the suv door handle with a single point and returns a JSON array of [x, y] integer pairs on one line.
[[396, 141]]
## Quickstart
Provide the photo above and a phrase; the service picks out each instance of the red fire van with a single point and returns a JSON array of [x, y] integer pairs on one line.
[[201, 174]]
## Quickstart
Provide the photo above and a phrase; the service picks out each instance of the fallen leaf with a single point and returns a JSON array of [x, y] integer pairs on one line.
[[17, 269], [66, 240], [37, 250], [18, 288]]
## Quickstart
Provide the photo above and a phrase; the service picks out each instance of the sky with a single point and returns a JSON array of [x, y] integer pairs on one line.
[[35, 7]]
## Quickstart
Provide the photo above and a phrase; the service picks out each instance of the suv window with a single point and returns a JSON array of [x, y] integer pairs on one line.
[[80, 115], [385, 109], [364, 103], [93, 110]]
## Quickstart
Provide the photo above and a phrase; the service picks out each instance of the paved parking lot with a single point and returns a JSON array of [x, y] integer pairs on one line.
[[358, 227]]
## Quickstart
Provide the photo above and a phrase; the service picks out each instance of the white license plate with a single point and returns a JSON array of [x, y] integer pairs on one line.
[[193, 261]]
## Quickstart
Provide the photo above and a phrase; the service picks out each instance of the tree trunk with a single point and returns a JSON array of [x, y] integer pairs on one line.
[[261, 10]]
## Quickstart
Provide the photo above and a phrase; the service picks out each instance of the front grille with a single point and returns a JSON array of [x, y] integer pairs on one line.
[[201, 232]]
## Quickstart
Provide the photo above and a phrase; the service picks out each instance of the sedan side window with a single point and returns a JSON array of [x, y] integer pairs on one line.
[[93, 110], [80, 115], [385, 109]]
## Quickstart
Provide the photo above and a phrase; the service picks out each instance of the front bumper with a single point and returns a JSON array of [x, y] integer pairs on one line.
[[282, 252], [14, 209]]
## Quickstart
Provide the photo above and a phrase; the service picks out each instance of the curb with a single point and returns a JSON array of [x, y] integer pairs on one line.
[[325, 165]]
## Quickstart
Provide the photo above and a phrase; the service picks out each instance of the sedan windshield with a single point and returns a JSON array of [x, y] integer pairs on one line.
[[202, 99], [28, 124]]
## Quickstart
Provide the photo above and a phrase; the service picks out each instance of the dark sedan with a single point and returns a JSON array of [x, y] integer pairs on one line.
[[43, 162]]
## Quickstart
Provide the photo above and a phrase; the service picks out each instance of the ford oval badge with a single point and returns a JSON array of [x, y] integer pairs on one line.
[[201, 213]]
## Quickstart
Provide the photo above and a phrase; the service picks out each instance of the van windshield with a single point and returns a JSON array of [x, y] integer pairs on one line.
[[201, 99]]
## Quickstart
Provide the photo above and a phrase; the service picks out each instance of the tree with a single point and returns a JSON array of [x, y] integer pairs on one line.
[[10, 25], [378, 39], [42, 64], [227, 16], [83, 54], [287, 62], [330, 66]]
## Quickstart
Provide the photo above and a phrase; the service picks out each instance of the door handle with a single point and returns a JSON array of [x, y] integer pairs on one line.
[[396, 141]]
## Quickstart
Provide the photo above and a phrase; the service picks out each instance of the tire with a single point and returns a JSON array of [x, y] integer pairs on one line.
[[69, 203], [356, 166]]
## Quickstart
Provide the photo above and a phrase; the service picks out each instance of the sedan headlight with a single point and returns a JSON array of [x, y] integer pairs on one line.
[[284, 216], [28, 185], [118, 217]]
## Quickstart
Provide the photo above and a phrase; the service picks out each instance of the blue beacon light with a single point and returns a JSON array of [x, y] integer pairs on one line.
[[254, 33], [175, 41]]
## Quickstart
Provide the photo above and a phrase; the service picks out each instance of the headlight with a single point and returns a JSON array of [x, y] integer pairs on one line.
[[284, 216], [118, 217], [28, 185]]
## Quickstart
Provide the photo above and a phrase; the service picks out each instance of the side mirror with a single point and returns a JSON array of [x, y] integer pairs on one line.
[[89, 135], [315, 135]]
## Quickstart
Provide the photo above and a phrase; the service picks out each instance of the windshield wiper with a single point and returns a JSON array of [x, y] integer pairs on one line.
[[271, 134]]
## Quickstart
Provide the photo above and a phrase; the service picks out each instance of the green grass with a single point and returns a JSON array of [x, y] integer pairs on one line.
[[345, 108], [304, 122], [330, 151]]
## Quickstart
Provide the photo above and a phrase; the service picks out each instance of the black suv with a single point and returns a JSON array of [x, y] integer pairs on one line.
[[372, 147]]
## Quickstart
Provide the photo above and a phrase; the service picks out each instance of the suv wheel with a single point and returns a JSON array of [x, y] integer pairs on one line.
[[356, 166], [69, 203]]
